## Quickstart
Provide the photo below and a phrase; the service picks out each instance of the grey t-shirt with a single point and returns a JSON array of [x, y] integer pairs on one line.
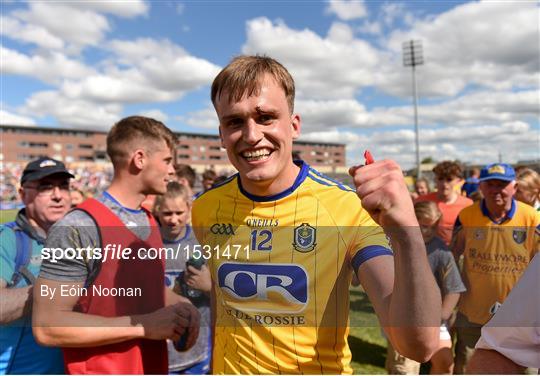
[[175, 267], [444, 267], [78, 230]]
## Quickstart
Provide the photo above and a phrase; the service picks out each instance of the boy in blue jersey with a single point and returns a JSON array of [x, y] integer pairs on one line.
[[45, 194], [173, 212], [254, 100]]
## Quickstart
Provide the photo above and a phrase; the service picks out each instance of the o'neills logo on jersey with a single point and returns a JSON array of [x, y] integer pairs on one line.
[[275, 288], [304, 238], [222, 229]]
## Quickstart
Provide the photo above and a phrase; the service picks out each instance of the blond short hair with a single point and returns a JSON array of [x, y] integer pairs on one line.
[[244, 75]]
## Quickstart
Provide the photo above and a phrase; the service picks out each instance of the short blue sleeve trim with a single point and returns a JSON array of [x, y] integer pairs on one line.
[[368, 253]]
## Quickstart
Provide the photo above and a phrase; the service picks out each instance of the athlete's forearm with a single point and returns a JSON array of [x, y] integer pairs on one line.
[[15, 303], [415, 304], [75, 329]]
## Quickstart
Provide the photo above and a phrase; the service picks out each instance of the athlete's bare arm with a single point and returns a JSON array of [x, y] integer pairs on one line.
[[402, 289], [55, 324]]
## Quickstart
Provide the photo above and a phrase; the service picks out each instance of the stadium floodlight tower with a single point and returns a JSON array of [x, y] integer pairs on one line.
[[413, 56]]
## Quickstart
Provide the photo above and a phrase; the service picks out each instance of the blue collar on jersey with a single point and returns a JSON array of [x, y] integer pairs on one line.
[[304, 169], [509, 214], [108, 196]]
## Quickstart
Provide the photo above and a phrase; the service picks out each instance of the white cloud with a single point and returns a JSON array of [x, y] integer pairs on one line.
[[49, 67], [13, 28], [205, 118], [347, 9], [121, 8], [78, 26], [492, 47], [155, 114], [72, 112], [368, 27], [126, 86], [8, 118], [332, 67], [165, 65], [53, 25], [514, 140]]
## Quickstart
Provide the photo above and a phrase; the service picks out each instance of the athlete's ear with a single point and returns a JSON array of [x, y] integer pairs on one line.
[[139, 158], [296, 124]]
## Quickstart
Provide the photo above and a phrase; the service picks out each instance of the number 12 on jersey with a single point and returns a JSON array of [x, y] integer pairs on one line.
[[261, 240]]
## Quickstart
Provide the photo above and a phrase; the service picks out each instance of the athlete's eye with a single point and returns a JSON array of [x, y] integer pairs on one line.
[[265, 119]]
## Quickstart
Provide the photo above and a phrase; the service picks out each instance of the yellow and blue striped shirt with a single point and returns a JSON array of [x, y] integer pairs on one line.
[[281, 267]]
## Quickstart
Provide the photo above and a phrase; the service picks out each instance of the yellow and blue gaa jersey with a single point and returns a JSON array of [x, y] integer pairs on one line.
[[281, 268], [495, 255]]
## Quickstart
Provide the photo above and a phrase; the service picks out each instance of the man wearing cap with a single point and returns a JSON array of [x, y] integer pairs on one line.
[[45, 193], [498, 237]]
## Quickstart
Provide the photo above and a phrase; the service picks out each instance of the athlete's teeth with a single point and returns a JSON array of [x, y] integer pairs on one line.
[[256, 153]]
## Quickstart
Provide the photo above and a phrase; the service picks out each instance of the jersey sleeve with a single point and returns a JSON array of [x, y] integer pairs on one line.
[[451, 279], [7, 253], [369, 241], [75, 230]]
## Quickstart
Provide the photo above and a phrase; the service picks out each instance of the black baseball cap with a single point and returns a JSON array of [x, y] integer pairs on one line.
[[43, 167]]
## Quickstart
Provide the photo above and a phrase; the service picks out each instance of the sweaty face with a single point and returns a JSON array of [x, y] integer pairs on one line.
[[498, 192], [46, 200], [258, 132], [158, 168], [173, 217]]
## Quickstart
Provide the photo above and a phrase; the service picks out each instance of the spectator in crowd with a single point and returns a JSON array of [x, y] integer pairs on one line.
[[497, 239], [186, 274], [185, 175], [208, 178], [77, 197], [510, 341], [448, 176], [123, 331], [471, 183], [528, 187], [449, 281], [421, 188], [45, 193]]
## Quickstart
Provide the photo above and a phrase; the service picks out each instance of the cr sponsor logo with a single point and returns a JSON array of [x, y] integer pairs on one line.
[[264, 287], [222, 229]]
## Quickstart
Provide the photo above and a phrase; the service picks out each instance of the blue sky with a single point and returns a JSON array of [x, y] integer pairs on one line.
[[88, 64]]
